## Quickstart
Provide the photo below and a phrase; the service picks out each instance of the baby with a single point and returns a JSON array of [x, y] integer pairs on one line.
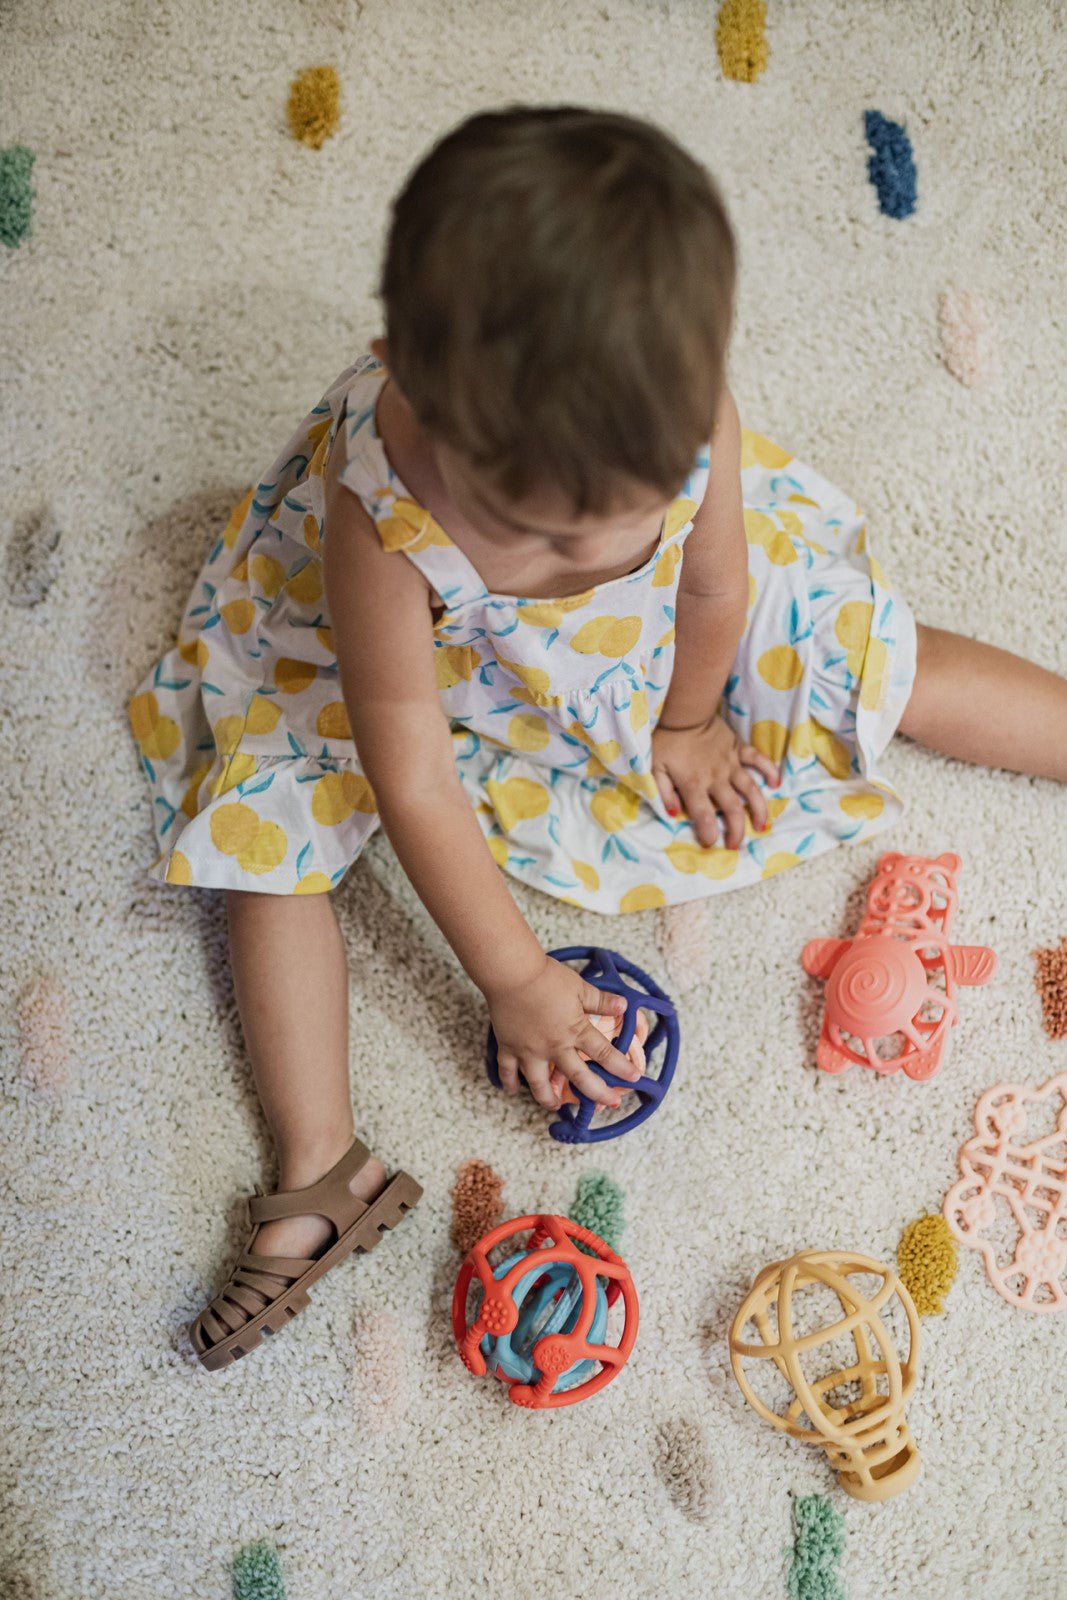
[[575, 621]]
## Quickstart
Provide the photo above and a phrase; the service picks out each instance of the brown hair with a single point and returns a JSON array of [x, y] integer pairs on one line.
[[558, 288]]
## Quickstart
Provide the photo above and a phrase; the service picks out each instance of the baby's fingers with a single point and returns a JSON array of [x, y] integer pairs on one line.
[[730, 804], [536, 1074], [668, 793], [592, 1043], [508, 1066], [749, 756], [752, 795], [701, 813], [600, 1002], [586, 1081]]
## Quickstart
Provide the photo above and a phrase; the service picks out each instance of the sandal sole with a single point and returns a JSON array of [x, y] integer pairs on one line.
[[398, 1197]]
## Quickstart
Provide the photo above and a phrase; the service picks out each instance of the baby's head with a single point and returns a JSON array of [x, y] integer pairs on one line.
[[558, 288]]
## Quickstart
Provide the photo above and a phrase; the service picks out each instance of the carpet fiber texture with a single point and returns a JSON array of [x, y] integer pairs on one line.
[[192, 281]]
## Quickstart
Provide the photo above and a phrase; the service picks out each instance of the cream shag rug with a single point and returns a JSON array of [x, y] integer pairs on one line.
[[193, 281]]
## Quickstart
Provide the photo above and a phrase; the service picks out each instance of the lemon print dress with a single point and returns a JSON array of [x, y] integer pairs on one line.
[[246, 745]]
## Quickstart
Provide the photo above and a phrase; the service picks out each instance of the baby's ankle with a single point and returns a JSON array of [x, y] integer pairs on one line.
[[301, 1165]]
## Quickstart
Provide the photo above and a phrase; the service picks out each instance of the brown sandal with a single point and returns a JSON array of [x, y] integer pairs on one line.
[[234, 1322]]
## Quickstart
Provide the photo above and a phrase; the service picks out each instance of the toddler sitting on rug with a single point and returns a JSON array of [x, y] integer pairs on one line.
[[577, 623]]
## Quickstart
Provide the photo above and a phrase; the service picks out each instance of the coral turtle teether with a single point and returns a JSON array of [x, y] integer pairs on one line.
[[856, 1412], [583, 1121], [890, 994], [1009, 1178], [542, 1324]]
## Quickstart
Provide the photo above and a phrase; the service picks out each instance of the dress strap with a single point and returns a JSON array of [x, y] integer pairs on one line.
[[696, 483], [402, 523]]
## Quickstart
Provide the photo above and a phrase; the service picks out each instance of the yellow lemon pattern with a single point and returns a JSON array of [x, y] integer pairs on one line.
[[643, 897], [313, 883], [779, 861], [306, 584], [853, 630], [607, 636], [191, 798], [498, 849], [258, 846], [758, 451], [528, 731], [177, 869], [516, 799], [262, 715], [232, 530], [157, 735], [875, 663], [769, 535], [780, 666], [713, 862], [454, 663], [587, 875], [237, 770], [551, 613], [666, 573], [338, 794], [332, 721], [408, 527], [810, 740], [246, 741], [770, 738], [615, 808], [865, 804], [238, 615], [293, 677], [268, 573]]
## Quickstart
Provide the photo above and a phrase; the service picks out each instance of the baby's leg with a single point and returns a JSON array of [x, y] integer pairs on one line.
[[291, 979], [982, 704]]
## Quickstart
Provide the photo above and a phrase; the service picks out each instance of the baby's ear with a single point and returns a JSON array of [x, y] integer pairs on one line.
[[380, 348]]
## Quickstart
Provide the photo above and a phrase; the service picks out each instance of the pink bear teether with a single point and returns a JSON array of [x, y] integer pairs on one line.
[[1011, 1200], [890, 994]]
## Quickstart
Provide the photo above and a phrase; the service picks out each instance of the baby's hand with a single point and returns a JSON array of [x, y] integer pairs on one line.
[[703, 770], [543, 1024], [610, 1027]]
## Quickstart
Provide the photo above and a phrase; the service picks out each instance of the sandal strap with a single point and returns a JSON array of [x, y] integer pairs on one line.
[[224, 1315], [211, 1328], [330, 1197], [242, 1292], [285, 1266], [246, 1291]]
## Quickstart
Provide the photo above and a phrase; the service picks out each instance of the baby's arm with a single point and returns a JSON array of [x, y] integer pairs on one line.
[[713, 587], [696, 757], [379, 607]]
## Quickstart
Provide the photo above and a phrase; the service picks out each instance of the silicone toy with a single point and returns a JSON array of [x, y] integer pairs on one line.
[[856, 1413], [1008, 1179], [542, 1323], [890, 994], [583, 1121]]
